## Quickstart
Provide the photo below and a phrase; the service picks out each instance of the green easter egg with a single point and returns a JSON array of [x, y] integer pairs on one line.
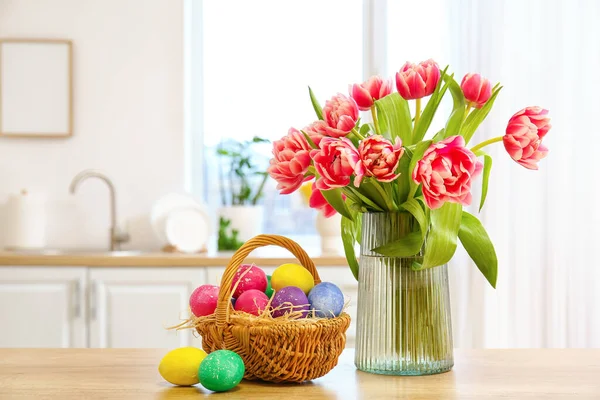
[[269, 290], [221, 370]]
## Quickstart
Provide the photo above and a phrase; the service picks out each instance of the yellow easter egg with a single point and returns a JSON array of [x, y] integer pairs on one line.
[[180, 366], [292, 275]]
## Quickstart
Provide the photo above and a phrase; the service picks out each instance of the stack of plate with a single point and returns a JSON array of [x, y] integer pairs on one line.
[[181, 222]]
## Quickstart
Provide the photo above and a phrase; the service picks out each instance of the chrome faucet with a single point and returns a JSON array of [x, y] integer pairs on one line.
[[116, 237]]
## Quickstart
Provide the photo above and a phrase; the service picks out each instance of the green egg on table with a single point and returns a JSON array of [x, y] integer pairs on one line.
[[221, 370], [269, 291]]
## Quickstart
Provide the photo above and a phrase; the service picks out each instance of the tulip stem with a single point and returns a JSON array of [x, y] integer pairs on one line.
[[485, 143], [358, 135], [467, 109], [417, 114], [375, 121]]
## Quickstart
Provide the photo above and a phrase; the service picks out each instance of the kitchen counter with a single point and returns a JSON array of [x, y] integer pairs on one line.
[[270, 256], [132, 374]]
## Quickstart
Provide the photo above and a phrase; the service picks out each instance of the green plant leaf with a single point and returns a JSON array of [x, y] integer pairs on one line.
[[441, 240], [477, 243], [487, 167], [439, 136], [478, 115], [408, 246], [349, 241], [393, 109], [364, 199], [366, 128], [416, 156], [414, 207], [453, 125], [430, 109], [309, 140], [334, 198], [368, 190], [315, 104]]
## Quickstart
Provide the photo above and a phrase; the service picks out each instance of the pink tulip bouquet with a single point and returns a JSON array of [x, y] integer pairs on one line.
[[391, 165]]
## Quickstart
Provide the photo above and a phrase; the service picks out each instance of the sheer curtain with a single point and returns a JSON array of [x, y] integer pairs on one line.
[[544, 223]]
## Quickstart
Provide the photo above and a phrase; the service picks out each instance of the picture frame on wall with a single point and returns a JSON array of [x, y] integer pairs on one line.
[[36, 88]]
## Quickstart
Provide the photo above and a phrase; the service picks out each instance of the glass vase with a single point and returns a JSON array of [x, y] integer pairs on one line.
[[403, 322]]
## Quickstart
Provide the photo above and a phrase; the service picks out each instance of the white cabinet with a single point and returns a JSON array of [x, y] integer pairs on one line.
[[133, 307], [42, 307], [340, 275]]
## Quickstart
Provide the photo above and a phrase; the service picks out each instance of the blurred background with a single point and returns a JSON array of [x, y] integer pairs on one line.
[[159, 84]]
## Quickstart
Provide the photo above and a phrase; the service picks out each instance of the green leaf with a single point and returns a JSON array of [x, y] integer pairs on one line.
[[478, 115], [349, 240], [417, 155], [309, 140], [334, 198], [368, 190], [453, 125], [414, 207], [394, 111], [487, 167], [439, 135], [430, 109], [407, 246], [477, 243], [366, 128], [441, 241], [364, 199], [315, 104]]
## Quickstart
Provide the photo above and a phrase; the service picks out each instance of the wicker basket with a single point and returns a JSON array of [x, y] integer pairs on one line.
[[273, 349]]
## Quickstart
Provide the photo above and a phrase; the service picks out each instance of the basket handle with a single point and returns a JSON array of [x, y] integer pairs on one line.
[[224, 301]]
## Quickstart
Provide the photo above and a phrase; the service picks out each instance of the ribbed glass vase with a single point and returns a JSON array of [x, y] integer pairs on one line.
[[403, 324]]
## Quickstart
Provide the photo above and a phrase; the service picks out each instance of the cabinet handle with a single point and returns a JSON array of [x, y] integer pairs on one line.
[[76, 292], [92, 300]]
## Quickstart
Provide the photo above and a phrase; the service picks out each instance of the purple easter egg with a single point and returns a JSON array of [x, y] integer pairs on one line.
[[288, 299]]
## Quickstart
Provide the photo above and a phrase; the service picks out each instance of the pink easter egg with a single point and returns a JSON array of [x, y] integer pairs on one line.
[[203, 300], [250, 277], [252, 301]]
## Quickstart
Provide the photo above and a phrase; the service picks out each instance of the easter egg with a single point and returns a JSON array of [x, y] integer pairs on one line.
[[180, 366], [221, 370], [269, 291], [289, 299], [292, 275], [249, 277], [251, 301], [327, 300], [203, 300]]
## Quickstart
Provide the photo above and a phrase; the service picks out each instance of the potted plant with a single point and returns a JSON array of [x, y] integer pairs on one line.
[[401, 193], [241, 185]]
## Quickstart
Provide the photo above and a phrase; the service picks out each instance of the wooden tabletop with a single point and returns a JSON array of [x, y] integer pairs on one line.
[[264, 257], [132, 374]]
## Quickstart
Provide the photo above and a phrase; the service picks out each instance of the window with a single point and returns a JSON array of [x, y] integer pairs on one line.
[[257, 59]]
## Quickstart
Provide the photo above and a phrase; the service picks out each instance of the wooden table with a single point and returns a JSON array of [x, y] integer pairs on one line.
[[132, 374]]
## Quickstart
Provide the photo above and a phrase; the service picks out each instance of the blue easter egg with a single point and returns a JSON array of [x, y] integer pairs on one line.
[[326, 299]]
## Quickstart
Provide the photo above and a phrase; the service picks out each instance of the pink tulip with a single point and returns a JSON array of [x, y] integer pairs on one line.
[[524, 134], [290, 162], [335, 162], [415, 81], [316, 131], [477, 90], [446, 171], [341, 114], [317, 201], [373, 89], [379, 158]]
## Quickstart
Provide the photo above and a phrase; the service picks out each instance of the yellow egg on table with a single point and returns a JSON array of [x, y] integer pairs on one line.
[[292, 275], [180, 366]]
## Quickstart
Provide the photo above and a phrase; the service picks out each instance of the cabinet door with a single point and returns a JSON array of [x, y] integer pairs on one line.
[[339, 275], [42, 307], [133, 307]]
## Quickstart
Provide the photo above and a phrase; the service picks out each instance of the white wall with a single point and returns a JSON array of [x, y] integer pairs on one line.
[[128, 105]]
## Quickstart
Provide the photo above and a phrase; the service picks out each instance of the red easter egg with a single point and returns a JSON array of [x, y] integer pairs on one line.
[[252, 301], [250, 277], [203, 300]]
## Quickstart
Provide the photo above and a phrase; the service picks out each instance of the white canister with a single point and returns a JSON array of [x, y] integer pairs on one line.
[[329, 230], [26, 221], [247, 220]]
